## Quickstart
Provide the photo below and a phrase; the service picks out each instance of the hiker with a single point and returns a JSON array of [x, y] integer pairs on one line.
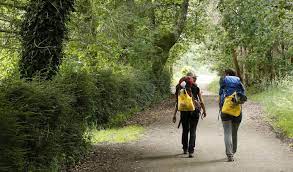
[[189, 119], [230, 84]]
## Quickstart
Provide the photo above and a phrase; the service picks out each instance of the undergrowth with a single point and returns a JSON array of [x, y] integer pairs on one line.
[[45, 124], [278, 103]]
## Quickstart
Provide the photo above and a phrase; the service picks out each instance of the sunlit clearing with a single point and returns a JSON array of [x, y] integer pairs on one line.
[[189, 62]]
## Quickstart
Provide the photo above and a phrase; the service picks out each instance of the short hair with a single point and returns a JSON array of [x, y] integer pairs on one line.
[[230, 72], [190, 74]]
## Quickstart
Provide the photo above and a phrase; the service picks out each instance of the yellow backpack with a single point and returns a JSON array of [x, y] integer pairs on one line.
[[185, 102], [230, 107]]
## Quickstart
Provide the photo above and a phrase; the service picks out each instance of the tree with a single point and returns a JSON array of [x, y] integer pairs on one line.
[[165, 41], [252, 38], [136, 33], [43, 31]]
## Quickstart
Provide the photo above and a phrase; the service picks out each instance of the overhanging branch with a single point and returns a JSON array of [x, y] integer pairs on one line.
[[180, 24]]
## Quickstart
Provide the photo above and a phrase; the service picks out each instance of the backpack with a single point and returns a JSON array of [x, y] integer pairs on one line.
[[189, 81], [185, 102], [230, 107], [234, 95], [185, 98], [239, 98]]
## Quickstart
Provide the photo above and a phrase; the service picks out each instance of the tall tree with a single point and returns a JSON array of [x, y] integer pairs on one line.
[[166, 40], [255, 40], [43, 31]]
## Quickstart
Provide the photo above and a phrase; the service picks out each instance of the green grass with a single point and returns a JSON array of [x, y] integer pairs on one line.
[[214, 86], [119, 119], [278, 102], [119, 135]]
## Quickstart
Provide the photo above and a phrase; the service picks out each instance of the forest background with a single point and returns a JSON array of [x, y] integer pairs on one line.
[[69, 66]]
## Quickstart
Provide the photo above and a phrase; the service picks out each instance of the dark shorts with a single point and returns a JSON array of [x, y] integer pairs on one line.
[[190, 115], [234, 119]]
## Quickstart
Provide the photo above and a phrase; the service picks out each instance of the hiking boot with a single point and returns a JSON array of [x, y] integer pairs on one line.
[[230, 159], [190, 155]]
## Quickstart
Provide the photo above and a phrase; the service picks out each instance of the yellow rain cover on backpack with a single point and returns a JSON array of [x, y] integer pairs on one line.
[[185, 102], [230, 107]]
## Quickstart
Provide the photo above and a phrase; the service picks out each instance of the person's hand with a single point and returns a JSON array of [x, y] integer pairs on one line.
[[174, 119], [203, 115]]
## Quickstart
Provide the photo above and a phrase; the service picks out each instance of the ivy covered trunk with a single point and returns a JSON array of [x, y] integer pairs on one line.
[[43, 31]]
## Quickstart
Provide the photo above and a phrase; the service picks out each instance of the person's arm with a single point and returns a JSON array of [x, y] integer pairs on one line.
[[204, 113]]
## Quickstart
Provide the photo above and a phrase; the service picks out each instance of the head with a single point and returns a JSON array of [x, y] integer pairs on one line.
[[194, 77], [229, 72]]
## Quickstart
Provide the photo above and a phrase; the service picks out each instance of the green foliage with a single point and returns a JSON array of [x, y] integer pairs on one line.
[[118, 60], [214, 86], [105, 77], [258, 32], [119, 119], [121, 91], [136, 33], [45, 122], [278, 102], [8, 63], [42, 37], [44, 132], [11, 142]]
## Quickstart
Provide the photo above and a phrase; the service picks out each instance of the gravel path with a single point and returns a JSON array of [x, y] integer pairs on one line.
[[159, 149]]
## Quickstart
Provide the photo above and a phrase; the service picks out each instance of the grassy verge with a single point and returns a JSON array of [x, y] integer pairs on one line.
[[118, 120], [119, 135], [278, 103], [114, 131], [214, 86]]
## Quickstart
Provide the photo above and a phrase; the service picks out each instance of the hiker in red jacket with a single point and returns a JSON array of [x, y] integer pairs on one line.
[[189, 119]]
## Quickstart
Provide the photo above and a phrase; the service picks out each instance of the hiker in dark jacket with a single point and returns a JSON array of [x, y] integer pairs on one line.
[[230, 83], [189, 119]]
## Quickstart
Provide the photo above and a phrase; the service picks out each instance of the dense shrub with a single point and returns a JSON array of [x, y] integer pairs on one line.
[[44, 124], [40, 124], [278, 102], [120, 92]]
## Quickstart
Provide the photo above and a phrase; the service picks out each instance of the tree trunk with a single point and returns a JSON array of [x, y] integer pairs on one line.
[[166, 41], [43, 31], [271, 68], [236, 64]]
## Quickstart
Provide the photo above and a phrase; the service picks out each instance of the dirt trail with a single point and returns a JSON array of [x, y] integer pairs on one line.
[[159, 149]]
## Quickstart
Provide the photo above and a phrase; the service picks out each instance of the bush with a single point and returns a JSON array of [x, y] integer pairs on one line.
[[41, 124], [162, 85], [44, 124], [278, 102], [120, 92]]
